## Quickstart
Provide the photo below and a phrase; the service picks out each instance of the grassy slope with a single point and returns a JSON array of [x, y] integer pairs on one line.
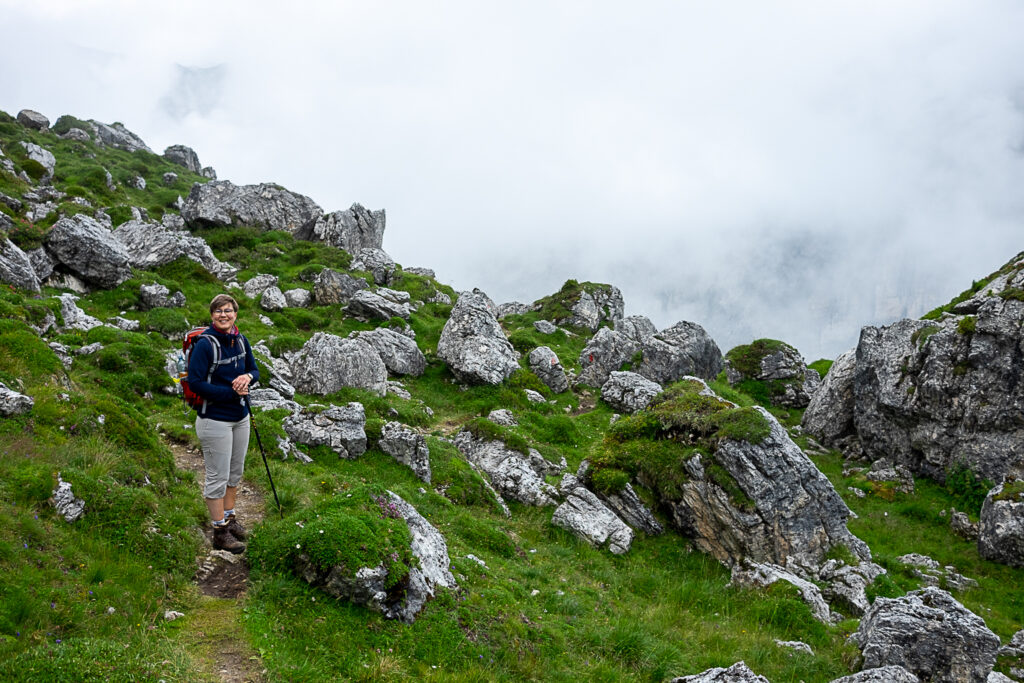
[[662, 610]]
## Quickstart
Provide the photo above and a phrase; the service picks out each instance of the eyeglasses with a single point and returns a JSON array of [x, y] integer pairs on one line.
[[224, 311]]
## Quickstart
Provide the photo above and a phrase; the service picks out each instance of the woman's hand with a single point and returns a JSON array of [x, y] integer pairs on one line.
[[241, 384]]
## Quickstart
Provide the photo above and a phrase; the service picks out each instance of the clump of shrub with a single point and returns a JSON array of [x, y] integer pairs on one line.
[[967, 489]]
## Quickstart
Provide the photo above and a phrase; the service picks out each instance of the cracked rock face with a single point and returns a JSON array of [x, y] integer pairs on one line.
[[400, 353], [341, 428], [509, 471], [473, 344], [266, 206], [935, 394], [16, 267], [588, 518], [629, 392], [90, 251], [605, 353], [794, 512], [678, 351], [327, 363], [332, 287], [379, 304], [352, 230], [1001, 526], [151, 245], [930, 634]]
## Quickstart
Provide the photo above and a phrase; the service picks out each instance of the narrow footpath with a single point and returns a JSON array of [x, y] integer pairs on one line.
[[215, 638]]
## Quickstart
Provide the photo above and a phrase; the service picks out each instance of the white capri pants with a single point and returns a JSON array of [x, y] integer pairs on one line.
[[224, 445]]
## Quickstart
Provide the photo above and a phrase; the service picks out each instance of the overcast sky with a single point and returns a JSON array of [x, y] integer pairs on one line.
[[793, 170]]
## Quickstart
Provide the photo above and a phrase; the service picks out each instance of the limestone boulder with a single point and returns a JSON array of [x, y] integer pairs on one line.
[[332, 287], [677, 351], [184, 156], [89, 251], [545, 364], [298, 298], [272, 300], [117, 136], [33, 119], [340, 428], [378, 263], [327, 363], [605, 353], [68, 506], [590, 305], [407, 447], [883, 674], [737, 673], [266, 206], [255, 286], [1001, 526], [761, 575], [16, 267], [399, 353], [587, 517], [151, 245], [379, 304], [509, 471], [14, 403], [791, 382], [930, 634], [353, 230], [829, 414], [42, 156], [473, 344], [629, 392], [74, 317], [158, 296]]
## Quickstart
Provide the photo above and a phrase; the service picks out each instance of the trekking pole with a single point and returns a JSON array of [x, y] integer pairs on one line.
[[264, 454]]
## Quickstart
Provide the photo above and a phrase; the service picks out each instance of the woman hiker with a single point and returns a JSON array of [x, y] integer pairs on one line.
[[222, 377]]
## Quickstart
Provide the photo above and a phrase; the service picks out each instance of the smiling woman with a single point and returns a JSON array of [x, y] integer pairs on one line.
[[220, 371]]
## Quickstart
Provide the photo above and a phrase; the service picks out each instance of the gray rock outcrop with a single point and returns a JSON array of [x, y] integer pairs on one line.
[[407, 447], [761, 575], [930, 634], [272, 300], [677, 351], [603, 354], [595, 305], [352, 230], [298, 298], [508, 470], [378, 263], [116, 135], [584, 515], [158, 296], [780, 364], [400, 353], [151, 245], [33, 119], [16, 267], [545, 364], [332, 287], [327, 363], [1001, 526], [266, 206], [340, 428], [629, 392], [74, 317], [184, 156], [89, 251], [43, 157], [793, 510], [829, 414], [473, 344], [737, 673], [14, 403], [379, 304], [256, 285]]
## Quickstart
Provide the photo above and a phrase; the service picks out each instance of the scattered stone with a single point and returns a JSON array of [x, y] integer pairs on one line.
[[68, 506], [258, 284], [883, 674], [13, 403], [298, 298], [933, 574], [74, 317], [961, 525], [534, 396], [545, 327], [158, 296], [272, 300], [171, 615], [760, 575], [503, 417], [545, 364], [795, 645], [16, 267], [169, 178], [884, 470]]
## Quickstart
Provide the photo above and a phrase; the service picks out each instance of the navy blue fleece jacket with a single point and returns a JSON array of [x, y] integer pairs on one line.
[[222, 403]]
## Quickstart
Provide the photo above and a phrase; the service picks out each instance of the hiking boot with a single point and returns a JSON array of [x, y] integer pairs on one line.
[[235, 527], [224, 540]]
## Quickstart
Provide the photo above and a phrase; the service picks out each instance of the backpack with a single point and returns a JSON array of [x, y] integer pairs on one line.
[[192, 399]]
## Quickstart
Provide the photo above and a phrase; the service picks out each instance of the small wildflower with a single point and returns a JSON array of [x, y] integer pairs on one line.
[[297, 545]]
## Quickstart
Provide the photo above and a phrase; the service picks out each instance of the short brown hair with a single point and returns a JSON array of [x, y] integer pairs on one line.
[[222, 299]]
